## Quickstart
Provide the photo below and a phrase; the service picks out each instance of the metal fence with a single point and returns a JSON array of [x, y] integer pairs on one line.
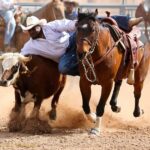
[[115, 9], [122, 9]]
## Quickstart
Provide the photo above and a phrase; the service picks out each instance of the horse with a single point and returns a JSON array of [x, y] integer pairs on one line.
[[100, 60], [51, 11], [141, 12]]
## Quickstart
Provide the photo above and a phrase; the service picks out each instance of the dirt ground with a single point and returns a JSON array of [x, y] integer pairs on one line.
[[70, 130]]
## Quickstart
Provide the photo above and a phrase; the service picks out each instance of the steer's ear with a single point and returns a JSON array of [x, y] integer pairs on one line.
[[1, 57]]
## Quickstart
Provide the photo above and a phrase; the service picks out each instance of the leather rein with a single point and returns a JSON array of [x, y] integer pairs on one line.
[[87, 61]]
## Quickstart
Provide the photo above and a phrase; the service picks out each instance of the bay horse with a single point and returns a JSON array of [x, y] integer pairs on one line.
[[51, 11], [100, 59], [141, 12]]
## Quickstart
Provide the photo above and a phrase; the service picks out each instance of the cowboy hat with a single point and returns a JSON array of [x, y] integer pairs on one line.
[[31, 22], [71, 1]]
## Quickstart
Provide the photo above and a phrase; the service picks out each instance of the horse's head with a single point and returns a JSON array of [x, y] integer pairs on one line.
[[87, 31]]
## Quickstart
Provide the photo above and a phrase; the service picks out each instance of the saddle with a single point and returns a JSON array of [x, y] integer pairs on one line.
[[129, 41]]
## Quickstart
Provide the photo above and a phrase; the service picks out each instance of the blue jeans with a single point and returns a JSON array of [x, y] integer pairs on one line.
[[122, 21], [68, 63], [10, 25]]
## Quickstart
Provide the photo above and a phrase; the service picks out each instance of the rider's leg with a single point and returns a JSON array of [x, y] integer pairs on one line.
[[10, 26], [68, 63]]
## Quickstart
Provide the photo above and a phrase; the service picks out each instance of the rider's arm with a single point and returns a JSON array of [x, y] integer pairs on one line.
[[6, 5], [63, 25]]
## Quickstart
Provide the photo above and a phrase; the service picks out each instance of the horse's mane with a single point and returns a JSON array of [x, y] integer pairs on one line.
[[88, 15]]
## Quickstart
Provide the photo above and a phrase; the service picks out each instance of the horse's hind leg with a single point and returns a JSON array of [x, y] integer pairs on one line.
[[52, 113], [113, 101], [146, 31], [137, 94]]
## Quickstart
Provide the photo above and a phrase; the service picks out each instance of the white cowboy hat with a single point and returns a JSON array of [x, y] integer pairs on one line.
[[32, 21], [71, 1]]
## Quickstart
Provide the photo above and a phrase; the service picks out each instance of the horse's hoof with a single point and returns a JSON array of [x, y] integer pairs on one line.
[[92, 117], [116, 109], [138, 113], [95, 131], [52, 114]]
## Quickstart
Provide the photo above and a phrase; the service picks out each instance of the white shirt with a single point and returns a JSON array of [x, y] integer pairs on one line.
[[56, 42], [6, 5]]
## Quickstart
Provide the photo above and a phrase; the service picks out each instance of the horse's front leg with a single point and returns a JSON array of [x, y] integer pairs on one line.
[[106, 89], [113, 101], [85, 89]]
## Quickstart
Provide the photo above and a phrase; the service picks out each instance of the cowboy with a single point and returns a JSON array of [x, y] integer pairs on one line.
[[55, 40], [6, 11], [70, 9]]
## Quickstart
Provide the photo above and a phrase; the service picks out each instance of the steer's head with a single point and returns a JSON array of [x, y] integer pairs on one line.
[[11, 65]]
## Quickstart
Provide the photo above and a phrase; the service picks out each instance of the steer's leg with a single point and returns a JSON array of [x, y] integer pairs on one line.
[[17, 102], [52, 113], [15, 119], [37, 105]]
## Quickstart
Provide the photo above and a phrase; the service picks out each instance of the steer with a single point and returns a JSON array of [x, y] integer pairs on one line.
[[34, 78]]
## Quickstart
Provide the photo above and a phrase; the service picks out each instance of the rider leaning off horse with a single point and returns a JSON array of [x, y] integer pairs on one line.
[[56, 40]]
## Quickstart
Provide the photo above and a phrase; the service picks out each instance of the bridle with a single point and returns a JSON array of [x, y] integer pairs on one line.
[[87, 61]]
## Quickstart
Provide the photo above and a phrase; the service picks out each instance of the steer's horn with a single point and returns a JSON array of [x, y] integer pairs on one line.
[[25, 58], [1, 57]]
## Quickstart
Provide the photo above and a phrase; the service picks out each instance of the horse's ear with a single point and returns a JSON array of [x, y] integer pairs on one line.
[[96, 12], [79, 10]]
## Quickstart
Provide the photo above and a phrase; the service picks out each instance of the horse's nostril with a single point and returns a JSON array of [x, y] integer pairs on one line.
[[81, 56]]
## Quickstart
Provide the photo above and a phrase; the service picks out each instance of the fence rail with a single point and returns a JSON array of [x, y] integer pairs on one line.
[[120, 9], [123, 8]]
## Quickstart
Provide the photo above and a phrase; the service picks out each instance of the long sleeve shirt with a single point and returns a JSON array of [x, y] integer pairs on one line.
[[56, 40], [6, 5]]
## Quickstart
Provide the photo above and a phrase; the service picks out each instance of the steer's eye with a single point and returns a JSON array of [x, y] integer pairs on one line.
[[15, 68]]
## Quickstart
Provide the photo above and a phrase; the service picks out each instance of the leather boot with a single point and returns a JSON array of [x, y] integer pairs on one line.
[[134, 21]]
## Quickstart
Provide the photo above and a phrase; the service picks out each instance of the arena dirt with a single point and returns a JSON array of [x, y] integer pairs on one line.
[[70, 130]]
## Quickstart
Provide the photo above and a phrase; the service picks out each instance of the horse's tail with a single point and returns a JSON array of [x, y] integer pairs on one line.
[[146, 54], [145, 61]]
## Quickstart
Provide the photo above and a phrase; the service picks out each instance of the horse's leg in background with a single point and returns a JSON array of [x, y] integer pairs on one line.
[[85, 89], [146, 31], [52, 113], [113, 101], [106, 89]]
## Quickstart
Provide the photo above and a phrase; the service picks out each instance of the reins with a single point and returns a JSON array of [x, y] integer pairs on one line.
[[89, 65]]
